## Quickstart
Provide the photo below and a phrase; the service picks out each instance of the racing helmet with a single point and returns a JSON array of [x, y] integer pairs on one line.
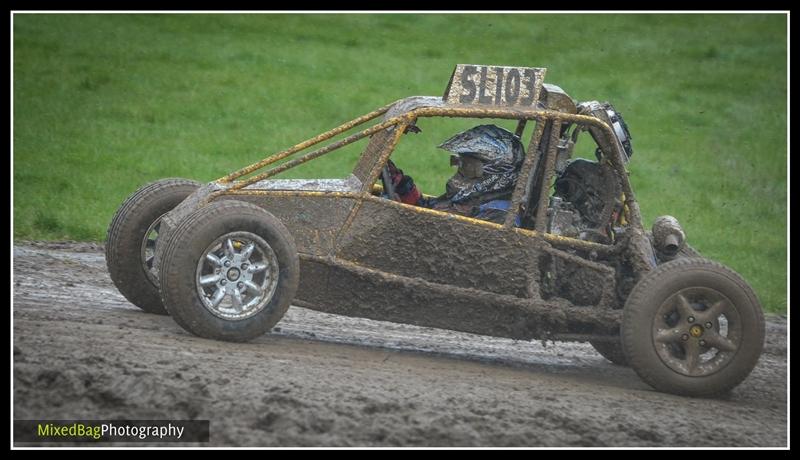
[[489, 159]]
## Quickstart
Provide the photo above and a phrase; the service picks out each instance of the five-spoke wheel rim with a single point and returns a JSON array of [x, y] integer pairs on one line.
[[697, 331], [237, 275]]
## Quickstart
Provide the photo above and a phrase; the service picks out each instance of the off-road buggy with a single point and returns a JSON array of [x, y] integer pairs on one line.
[[571, 260]]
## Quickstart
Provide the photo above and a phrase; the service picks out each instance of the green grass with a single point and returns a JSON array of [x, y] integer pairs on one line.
[[106, 103]]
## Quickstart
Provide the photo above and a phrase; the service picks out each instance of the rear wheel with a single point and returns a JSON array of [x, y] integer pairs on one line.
[[132, 238], [229, 271], [692, 327]]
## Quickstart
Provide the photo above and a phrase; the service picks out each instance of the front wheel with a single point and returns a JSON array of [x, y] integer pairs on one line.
[[692, 327], [229, 271]]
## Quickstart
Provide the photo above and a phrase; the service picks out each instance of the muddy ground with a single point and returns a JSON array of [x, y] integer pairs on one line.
[[82, 351]]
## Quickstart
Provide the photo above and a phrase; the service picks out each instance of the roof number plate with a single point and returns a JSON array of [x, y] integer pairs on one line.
[[495, 85]]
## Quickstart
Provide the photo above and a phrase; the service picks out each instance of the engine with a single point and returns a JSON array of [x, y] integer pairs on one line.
[[586, 201]]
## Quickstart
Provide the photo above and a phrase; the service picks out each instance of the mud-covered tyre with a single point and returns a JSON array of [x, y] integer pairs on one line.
[[132, 236], [611, 351], [229, 271], [692, 327]]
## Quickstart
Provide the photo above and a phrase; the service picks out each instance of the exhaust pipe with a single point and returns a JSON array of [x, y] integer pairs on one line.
[[668, 236]]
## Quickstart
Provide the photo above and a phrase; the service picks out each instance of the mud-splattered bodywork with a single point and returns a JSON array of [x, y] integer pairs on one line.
[[367, 256]]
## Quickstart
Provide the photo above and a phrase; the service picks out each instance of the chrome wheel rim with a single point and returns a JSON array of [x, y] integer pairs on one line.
[[237, 275], [697, 331]]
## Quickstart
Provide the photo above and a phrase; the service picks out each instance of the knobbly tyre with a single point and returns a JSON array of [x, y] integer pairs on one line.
[[570, 259]]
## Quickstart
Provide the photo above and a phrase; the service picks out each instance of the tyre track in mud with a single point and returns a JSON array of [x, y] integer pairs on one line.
[[82, 351]]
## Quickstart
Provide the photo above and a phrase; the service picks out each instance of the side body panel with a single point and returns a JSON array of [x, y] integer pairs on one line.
[[411, 265]]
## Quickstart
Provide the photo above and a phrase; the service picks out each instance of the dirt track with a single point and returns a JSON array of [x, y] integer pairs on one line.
[[82, 351]]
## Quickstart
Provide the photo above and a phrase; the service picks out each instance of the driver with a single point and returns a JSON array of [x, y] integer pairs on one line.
[[489, 159]]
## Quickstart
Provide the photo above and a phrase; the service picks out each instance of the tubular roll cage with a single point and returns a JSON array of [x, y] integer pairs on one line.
[[521, 191]]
